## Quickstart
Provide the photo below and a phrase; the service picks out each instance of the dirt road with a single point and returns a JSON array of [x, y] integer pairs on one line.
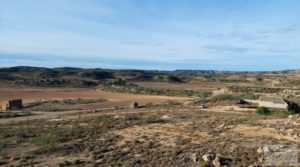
[[49, 115]]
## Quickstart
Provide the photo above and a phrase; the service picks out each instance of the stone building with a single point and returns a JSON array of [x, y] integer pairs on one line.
[[12, 104]]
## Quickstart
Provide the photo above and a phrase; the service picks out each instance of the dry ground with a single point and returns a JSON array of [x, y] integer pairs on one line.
[[32, 94], [164, 135], [99, 134], [189, 85]]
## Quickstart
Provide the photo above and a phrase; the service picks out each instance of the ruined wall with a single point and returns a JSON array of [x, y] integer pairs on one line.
[[3, 106], [12, 104]]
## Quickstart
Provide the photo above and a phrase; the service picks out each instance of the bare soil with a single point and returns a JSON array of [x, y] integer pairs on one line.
[[32, 94], [164, 135]]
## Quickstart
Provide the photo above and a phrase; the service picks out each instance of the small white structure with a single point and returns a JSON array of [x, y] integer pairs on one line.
[[270, 102]]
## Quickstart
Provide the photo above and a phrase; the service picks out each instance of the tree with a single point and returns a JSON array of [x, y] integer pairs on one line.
[[293, 108]]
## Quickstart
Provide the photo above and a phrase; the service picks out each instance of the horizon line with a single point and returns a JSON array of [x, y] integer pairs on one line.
[[237, 71]]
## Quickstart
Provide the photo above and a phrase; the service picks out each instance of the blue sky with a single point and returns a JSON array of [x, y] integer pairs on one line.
[[232, 35]]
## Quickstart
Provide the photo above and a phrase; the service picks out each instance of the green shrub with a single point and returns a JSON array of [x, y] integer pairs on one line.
[[82, 101], [124, 86], [132, 117], [259, 78], [253, 89], [24, 132], [263, 111], [70, 133], [3, 154], [224, 97], [105, 119], [149, 119], [280, 113], [46, 142], [234, 97], [26, 113]]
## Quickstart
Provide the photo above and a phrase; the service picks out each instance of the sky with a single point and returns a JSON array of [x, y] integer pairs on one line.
[[231, 35]]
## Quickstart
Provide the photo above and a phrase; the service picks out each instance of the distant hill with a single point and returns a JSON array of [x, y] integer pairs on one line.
[[62, 76]]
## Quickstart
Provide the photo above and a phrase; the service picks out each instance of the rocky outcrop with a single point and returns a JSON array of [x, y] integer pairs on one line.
[[280, 82], [288, 93]]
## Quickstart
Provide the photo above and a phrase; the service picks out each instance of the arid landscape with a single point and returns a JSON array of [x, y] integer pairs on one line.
[[149, 83], [215, 119]]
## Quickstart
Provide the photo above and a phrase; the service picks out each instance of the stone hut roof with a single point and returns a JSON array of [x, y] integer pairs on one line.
[[273, 99]]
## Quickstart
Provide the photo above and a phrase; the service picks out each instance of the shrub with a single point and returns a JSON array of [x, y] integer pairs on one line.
[[26, 113], [149, 104], [132, 117], [105, 119], [149, 119], [172, 102], [253, 89], [263, 111], [234, 97], [24, 132], [3, 154], [70, 133], [293, 108], [124, 86], [46, 142], [280, 113]]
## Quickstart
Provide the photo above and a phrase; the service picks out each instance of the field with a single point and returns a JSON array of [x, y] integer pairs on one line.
[[31, 94], [81, 120]]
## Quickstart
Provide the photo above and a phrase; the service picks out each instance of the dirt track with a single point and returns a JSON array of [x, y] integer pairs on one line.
[[52, 115]]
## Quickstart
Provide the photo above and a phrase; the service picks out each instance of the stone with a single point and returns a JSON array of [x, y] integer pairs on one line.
[[194, 157], [259, 150], [267, 149], [165, 117], [208, 157], [222, 126], [217, 161], [295, 136]]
